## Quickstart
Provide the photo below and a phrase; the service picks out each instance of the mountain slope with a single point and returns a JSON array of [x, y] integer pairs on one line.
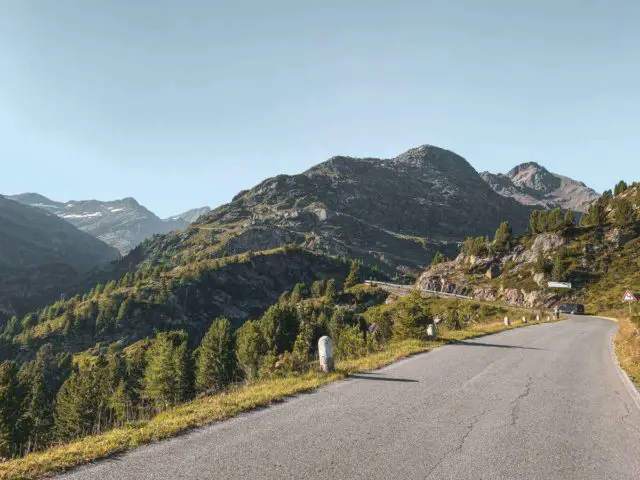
[[532, 184], [190, 216], [395, 213], [183, 298], [41, 255], [123, 224], [599, 258]]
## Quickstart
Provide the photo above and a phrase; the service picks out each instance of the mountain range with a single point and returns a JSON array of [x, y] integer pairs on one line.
[[122, 224], [392, 214], [41, 256]]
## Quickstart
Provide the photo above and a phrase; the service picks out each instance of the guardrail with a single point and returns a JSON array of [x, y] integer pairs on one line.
[[412, 287]]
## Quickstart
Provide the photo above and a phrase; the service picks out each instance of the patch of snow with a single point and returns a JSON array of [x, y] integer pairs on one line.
[[82, 215], [115, 210], [43, 205]]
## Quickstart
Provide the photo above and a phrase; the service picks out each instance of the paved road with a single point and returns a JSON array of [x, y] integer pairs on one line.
[[543, 402]]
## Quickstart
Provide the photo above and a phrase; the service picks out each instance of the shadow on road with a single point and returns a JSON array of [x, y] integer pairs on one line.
[[383, 379], [481, 344]]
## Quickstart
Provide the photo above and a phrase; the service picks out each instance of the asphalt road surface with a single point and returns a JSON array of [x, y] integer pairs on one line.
[[542, 402]]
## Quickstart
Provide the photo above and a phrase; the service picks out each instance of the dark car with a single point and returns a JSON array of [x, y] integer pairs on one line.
[[572, 308]]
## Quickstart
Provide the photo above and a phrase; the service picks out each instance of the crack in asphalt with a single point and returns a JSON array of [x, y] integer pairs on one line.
[[624, 418], [519, 398], [460, 445]]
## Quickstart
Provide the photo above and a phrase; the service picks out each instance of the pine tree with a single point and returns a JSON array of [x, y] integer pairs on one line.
[[623, 213], [331, 291], [503, 236], [279, 327], [299, 293], [250, 348], [75, 407], [303, 347], [126, 308], [161, 383], [555, 220], [37, 412], [317, 288], [184, 371], [9, 409], [569, 219], [533, 222], [121, 403], [438, 258], [215, 364], [620, 187], [354, 275], [412, 319], [542, 225]]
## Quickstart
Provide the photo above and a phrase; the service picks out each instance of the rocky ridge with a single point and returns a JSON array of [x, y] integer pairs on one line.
[[123, 224], [532, 184], [395, 213]]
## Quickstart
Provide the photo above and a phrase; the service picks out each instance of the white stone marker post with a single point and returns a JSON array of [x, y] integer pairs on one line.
[[325, 350], [524, 319], [507, 322], [432, 331], [537, 318]]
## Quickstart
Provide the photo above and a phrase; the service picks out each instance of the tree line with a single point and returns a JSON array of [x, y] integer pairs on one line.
[[55, 398]]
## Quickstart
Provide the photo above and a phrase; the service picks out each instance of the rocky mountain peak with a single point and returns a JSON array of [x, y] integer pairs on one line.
[[532, 184], [392, 212], [534, 176], [435, 158]]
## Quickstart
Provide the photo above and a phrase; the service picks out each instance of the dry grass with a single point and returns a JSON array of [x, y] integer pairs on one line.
[[627, 346], [207, 410]]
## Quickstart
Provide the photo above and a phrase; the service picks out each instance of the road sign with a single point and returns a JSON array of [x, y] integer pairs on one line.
[[629, 297], [559, 285]]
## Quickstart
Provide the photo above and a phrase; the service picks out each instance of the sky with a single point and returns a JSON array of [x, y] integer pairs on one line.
[[184, 103]]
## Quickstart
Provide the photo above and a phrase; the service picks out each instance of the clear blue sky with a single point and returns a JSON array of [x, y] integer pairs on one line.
[[184, 103]]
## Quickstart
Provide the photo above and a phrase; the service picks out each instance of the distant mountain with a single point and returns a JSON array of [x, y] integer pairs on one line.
[[394, 213], [532, 184], [189, 216], [41, 256], [123, 224]]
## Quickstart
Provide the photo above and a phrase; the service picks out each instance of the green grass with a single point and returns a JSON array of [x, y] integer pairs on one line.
[[207, 410]]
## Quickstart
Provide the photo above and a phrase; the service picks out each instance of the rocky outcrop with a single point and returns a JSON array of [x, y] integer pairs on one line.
[[469, 275], [532, 184]]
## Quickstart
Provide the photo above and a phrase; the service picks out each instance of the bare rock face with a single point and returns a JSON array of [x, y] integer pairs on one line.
[[532, 184], [396, 212], [544, 244]]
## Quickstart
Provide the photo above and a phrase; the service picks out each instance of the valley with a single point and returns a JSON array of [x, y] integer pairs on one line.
[[250, 286]]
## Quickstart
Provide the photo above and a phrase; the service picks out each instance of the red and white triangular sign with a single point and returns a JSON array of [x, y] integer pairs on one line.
[[629, 297]]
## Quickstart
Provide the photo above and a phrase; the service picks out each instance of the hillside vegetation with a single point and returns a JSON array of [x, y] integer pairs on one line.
[[124, 397], [597, 254]]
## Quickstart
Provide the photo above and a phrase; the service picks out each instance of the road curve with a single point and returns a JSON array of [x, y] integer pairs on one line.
[[542, 402]]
